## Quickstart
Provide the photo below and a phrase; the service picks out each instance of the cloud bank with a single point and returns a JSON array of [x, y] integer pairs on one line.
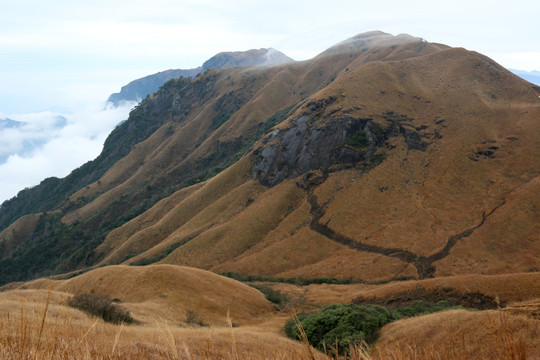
[[40, 145]]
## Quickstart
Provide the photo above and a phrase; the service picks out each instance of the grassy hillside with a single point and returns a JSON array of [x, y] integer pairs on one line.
[[166, 292], [185, 133], [390, 205], [383, 157]]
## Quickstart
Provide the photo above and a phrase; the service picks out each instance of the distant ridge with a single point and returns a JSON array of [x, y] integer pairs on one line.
[[138, 89], [530, 76]]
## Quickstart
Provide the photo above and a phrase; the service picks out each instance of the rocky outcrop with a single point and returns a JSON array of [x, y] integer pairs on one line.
[[337, 144], [305, 147]]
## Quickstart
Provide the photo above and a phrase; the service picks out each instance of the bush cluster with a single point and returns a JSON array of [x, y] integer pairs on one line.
[[274, 296], [193, 319], [101, 306], [358, 140], [339, 326]]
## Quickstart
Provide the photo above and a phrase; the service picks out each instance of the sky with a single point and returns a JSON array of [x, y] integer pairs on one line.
[[61, 59]]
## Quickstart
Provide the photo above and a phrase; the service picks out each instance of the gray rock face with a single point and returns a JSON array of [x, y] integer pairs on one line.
[[305, 147], [309, 146]]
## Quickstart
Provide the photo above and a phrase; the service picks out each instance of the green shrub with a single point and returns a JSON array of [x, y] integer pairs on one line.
[[101, 306], [358, 140], [295, 281], [270, 294], [342, 325], [419, 307], [339, 326]]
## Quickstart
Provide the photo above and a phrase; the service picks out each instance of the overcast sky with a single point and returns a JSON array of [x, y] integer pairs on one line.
[[65, 57]]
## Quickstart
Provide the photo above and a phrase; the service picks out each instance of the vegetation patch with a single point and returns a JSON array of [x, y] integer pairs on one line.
[[337, 327], [103, 307], [449, 295], [295, 281], [221, 118], [358, 140], [193, 319], [378, 158], [274, 296]]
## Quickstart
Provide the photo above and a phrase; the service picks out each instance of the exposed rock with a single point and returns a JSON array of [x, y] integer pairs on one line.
[[306, 147], [345, 141]]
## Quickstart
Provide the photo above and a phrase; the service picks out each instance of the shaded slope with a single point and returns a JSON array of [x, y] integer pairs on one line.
[[138, 89]]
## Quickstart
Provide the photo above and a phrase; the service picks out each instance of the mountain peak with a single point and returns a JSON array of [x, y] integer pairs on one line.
[[371, 40], [253, 57]]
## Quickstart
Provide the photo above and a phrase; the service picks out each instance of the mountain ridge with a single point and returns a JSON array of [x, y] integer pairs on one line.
[[138, 89], [244, 169]]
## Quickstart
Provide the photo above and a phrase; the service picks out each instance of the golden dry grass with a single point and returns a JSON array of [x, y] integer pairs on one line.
[[192, 211], [440, 90], [15, 234], [31, 328], [36, 324], [459, 334], [168, 292]]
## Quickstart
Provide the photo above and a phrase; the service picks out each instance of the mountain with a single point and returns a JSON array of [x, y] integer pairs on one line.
[[140, 88], [530, 76], [383, 157], [9, 124], [253, 57]]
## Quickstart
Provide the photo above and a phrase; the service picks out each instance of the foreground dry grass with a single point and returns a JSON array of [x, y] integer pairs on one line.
[[35, 324], [459, 334]]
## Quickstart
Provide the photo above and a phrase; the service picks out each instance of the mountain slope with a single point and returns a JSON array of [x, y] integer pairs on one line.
[[408, 210], [382, 157]]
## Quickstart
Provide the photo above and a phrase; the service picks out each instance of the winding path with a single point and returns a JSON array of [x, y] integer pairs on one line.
[[423, 265]]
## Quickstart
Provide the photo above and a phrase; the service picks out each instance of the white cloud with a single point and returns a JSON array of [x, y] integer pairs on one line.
[[527, 61], [61, 149]]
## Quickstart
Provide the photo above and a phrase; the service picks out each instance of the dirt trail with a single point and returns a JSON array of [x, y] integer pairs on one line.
[[424, 265]]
